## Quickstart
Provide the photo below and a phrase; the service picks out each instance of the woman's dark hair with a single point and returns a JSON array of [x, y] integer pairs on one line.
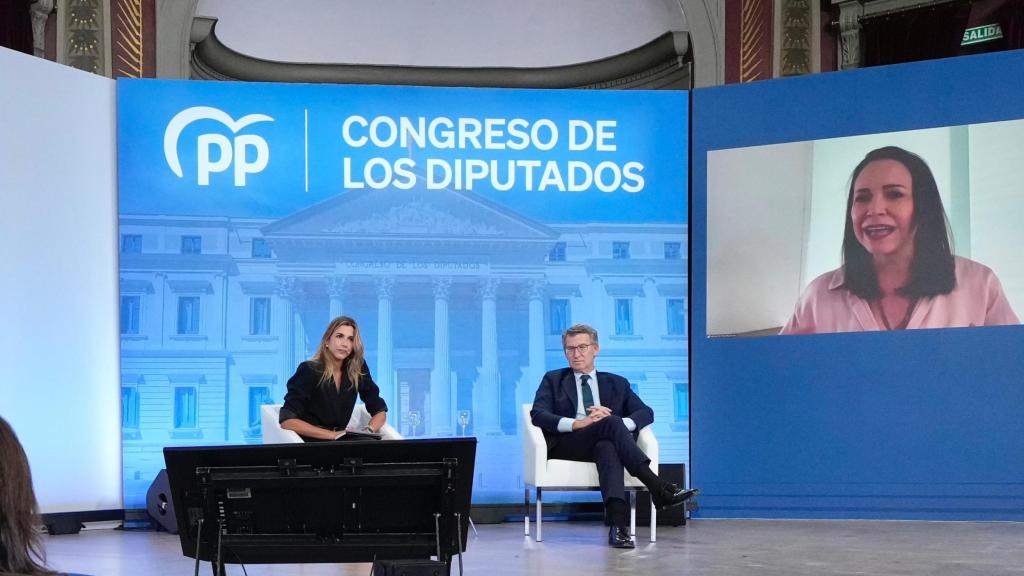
[[932, 271], [20, 550]]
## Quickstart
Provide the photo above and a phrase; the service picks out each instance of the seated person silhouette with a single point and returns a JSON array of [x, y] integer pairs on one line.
[[591, 416]]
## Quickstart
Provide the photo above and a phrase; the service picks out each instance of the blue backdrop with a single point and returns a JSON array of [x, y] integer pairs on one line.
[[918, 424], [464, 229]]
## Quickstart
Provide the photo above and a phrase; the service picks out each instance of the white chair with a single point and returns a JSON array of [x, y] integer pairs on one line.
[[544, 474], [274, 434]]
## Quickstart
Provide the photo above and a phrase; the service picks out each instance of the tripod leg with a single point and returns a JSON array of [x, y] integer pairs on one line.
[[199, 540], [437, 533], [218, 564], [458, 545]]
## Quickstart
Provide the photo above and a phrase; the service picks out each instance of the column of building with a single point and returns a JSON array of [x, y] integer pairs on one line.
[[336, 291], [535, 368], [163, 314], [384, 374], [486, 390], [301, 346], [286, 292], [441, 423]]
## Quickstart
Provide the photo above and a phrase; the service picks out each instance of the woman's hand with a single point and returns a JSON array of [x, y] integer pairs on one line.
[[303, 428], [378, 421]]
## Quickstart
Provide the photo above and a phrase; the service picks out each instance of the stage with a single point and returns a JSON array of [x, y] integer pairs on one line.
[[702, 547]]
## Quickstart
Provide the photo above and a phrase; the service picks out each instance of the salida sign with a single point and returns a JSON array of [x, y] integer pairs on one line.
[[980, 34]]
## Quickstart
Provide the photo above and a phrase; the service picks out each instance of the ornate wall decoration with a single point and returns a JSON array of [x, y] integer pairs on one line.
[[849, 30], [83, 41], [755, 42], [41, 10], [796, 38], [414, 218], [748, 40], [132, 38]]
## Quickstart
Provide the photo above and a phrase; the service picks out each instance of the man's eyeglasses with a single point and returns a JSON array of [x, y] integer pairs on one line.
[[582, 348]]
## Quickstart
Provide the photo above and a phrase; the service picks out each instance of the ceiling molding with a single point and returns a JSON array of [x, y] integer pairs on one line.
[[663, 63]]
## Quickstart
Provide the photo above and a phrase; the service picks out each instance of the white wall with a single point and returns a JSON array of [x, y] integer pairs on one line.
[[997, 203], [757, 212], [523, 33], [59, 382]]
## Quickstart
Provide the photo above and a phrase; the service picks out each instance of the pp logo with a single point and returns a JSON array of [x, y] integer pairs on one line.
[[228, 152]]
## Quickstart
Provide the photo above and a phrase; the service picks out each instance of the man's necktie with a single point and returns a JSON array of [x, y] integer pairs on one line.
[[588, 394]]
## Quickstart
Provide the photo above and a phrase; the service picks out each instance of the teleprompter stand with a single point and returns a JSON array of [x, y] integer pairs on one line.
[[337, 502]]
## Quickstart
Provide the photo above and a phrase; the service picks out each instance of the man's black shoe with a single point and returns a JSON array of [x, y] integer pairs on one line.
[[671, 496], [619, 538]]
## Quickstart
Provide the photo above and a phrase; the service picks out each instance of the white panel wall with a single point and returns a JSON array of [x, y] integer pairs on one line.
[[59, 383]]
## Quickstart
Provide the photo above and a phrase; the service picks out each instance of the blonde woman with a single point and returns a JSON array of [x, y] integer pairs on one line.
[[322, 392]]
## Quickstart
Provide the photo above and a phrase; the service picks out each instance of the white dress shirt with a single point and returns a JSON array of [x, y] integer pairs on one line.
[[565, 424]]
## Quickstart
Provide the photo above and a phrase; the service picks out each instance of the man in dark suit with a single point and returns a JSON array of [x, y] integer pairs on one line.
[[591, 416]]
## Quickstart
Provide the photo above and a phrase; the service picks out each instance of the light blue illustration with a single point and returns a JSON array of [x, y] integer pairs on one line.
[[244, 230]]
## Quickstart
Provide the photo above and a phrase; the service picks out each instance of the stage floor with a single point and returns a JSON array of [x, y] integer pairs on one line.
[[703, 547]]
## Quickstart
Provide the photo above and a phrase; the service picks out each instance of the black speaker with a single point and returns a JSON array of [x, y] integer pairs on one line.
[[409, 568], [159, 503], [676, 474], [62, 524]]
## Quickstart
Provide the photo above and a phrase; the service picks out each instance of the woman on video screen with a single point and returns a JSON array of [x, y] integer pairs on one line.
[[898, 269], [322, 393]]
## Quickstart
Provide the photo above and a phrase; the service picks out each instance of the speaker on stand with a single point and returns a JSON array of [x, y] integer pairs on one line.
[[160, 505], [676, 474]]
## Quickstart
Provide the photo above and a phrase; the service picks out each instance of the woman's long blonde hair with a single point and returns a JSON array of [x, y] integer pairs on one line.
[[353, 365]]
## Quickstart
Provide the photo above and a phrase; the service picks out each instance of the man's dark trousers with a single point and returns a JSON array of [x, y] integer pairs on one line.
[[607, 443]]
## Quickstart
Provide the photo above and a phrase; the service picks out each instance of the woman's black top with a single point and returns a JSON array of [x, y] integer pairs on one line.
[[325, 405]]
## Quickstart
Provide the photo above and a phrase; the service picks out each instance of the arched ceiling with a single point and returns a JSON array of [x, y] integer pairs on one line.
[[455, 33]]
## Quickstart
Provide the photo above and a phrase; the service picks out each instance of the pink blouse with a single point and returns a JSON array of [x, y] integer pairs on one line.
[[977, 300]]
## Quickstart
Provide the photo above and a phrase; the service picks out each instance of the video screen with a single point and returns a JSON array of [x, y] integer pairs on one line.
[[899, 230]]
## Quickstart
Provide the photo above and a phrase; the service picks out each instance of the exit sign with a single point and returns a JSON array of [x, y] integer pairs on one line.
[[980, 34]]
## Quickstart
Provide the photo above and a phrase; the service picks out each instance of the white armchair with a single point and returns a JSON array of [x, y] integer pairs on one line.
[[274, 434], [544, 474]]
